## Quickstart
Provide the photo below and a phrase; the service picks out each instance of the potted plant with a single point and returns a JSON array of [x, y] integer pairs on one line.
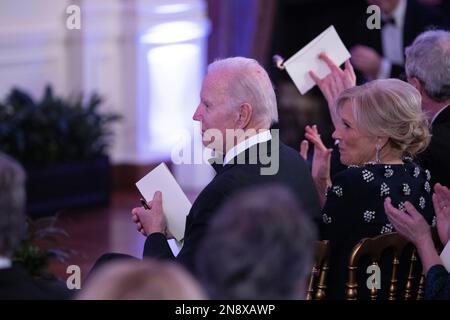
[[62, 143], [40, 244]]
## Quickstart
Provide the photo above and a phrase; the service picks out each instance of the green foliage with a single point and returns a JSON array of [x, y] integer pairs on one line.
[[53, 130], [40, 244]]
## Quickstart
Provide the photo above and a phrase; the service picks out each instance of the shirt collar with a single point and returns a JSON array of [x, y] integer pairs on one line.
[[262, 136], [5, 262]]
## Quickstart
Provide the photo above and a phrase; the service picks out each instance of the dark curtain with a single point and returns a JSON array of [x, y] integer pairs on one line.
[[241, 28]]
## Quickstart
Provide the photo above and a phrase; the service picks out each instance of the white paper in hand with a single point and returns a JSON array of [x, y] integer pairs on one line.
[[175, 204], [307, 59]]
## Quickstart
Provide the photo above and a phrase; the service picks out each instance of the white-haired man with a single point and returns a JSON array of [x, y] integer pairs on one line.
[[238, 105], [428, 69]]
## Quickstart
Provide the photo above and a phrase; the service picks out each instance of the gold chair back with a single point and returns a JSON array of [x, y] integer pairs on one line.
[[317, 280], [373, 248]]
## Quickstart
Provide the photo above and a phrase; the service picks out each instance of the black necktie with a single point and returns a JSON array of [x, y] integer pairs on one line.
[[387, 21]]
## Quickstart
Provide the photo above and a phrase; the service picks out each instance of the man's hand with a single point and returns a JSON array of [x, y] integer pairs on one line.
[[441, 203], [152, 220], [366, 60]]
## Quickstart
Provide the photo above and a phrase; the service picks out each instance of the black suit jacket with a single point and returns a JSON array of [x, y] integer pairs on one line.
[[417, 19], [437, 285], [436, 157], [17, 284], [293, 172]]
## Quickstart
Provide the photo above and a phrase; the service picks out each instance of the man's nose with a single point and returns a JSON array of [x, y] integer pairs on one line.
[[196, 116]]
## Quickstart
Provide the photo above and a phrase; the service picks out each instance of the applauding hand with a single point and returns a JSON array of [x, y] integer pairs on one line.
[[321, 160], [441, 202]]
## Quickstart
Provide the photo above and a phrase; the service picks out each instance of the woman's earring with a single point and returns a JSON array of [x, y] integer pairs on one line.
[[377, 153]]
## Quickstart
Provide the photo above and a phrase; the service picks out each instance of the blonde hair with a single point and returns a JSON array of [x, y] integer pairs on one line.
[[141, 280], [389, 108]]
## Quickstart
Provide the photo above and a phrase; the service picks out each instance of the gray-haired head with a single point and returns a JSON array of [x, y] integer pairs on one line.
[[428, 59], [249, 83], [12, 204], [259, 246]]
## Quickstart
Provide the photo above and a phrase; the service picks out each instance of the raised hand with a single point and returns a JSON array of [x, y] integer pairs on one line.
[[334, 83], [441, 203], [320, 170]]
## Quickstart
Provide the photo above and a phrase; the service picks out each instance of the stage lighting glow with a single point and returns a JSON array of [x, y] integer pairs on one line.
[[173, 32]]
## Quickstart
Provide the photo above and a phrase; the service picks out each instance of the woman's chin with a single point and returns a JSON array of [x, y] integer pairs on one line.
[[345, 161]]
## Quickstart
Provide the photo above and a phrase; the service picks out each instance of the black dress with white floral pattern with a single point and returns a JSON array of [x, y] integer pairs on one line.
[[354, 209]]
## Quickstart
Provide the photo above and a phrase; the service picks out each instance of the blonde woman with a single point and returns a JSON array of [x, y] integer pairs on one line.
[[380, 127]]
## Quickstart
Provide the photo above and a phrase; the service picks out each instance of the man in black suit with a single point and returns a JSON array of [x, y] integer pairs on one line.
[[379, 53], [15, 282], [237, 107], [428, 69]]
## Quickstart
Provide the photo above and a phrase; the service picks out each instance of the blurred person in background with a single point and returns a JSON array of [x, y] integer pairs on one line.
[[260, 245], [379, 53], [15, 282]]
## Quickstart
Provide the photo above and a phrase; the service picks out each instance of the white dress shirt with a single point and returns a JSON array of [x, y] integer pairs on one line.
[[262, 136], [392, 41]]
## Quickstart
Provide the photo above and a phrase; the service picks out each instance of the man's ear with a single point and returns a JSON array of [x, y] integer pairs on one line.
[[244, 115], [416, 83]]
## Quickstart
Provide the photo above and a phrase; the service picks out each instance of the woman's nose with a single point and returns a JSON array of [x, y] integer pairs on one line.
[[335, 135]]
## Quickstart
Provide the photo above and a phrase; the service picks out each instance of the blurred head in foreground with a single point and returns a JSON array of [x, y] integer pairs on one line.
[[259, 246], [141, 280]]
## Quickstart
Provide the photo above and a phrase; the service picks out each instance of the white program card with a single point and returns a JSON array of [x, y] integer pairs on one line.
[[307, 59], [175, 203]]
